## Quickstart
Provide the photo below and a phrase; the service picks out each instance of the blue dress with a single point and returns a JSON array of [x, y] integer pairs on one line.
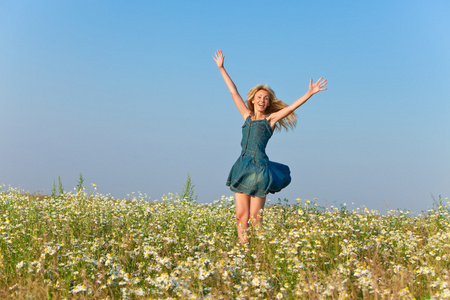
[[253, 173]]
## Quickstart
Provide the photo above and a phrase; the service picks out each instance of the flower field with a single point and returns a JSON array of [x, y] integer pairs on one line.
[[89, 246]]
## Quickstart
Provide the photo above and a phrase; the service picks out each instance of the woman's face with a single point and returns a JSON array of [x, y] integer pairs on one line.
[[261, 101]]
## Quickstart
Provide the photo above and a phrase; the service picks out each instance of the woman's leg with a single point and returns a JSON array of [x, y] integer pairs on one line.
[[248, 207], [242, 216], [256, 210]]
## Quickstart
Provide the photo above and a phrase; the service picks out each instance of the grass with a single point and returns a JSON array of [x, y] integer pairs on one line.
[[77, 245]]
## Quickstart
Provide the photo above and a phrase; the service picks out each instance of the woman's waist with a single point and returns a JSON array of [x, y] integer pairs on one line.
[[254, 153]]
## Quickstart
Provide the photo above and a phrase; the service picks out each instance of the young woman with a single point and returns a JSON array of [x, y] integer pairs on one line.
[[253, 176]]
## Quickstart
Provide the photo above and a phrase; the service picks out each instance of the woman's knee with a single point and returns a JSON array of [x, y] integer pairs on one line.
[[242, 218], [256, 214]]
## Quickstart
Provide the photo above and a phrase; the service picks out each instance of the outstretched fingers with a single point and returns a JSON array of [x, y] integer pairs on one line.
[[322, 84], [218, 54], [317, 86], [219, 58]]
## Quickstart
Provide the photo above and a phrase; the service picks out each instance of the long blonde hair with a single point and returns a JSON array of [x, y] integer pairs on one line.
[[274, 105]]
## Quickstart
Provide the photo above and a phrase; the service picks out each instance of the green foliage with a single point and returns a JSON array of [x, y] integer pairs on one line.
[[80, 183], [187, 191], [60, 188], [54, 189], [80, 246]]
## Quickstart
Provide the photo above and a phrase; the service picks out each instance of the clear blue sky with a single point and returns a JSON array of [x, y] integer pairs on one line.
[[127, 93]]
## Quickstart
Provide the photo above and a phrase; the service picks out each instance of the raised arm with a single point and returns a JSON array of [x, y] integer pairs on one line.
[[313, 89], [219, 58]]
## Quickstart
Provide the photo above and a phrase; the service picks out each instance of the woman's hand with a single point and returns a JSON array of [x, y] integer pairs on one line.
[[219, 58], [318, 86]]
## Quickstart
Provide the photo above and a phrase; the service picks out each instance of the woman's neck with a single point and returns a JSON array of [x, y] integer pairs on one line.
[[258, 115]]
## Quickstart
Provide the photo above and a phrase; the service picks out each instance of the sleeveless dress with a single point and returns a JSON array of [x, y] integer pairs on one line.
[[253, 174]]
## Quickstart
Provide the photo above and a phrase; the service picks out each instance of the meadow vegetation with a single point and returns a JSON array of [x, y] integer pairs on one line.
[[80, 245]]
